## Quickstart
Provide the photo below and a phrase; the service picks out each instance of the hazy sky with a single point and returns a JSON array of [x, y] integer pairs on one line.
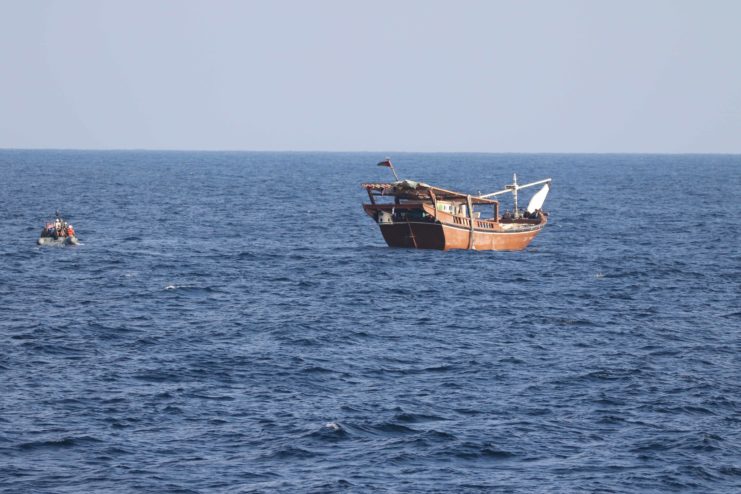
[[514, 76]]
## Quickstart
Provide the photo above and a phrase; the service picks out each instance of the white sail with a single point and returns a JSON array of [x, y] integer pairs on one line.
[[538, 199]]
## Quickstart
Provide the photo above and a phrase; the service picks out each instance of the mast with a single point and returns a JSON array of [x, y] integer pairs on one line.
[[513, 188], [514, 192]]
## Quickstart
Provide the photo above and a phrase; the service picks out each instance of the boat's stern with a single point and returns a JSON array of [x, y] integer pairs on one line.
[[409, 225]]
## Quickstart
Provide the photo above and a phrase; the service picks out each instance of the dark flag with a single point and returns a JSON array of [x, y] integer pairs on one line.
[[387, 164]]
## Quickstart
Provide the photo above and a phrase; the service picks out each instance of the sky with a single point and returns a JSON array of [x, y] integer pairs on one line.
[[403, 75]]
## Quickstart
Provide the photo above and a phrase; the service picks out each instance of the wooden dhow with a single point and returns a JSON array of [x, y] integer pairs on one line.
[[417, 215]]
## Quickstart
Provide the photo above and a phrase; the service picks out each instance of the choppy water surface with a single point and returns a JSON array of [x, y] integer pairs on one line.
[[235, 323]]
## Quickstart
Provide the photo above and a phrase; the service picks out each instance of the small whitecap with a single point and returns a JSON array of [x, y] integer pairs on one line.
[[333, 426], [599, 276], [177, 287]]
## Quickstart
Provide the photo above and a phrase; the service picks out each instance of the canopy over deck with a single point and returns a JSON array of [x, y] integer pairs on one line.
[[419, 191]]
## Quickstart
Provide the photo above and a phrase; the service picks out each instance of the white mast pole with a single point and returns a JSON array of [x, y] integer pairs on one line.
[[393, 170], [510, 189]]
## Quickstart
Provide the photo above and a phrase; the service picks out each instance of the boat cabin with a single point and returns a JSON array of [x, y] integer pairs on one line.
[[407, 199]]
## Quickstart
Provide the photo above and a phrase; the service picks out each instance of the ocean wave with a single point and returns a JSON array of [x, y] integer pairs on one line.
[[62, 443]]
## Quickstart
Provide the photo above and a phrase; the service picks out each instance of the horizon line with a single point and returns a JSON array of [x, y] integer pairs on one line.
[[192, 150]]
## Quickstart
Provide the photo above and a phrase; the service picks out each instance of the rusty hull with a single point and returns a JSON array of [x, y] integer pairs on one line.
[[443, 231]]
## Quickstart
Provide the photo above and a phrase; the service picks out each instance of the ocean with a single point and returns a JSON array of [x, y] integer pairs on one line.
[[233, 322]]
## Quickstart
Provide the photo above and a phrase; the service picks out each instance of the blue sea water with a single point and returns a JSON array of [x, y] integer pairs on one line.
[[234, 322]]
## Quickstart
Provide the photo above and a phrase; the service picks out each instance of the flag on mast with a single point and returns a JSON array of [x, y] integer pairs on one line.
[[387, 163]]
